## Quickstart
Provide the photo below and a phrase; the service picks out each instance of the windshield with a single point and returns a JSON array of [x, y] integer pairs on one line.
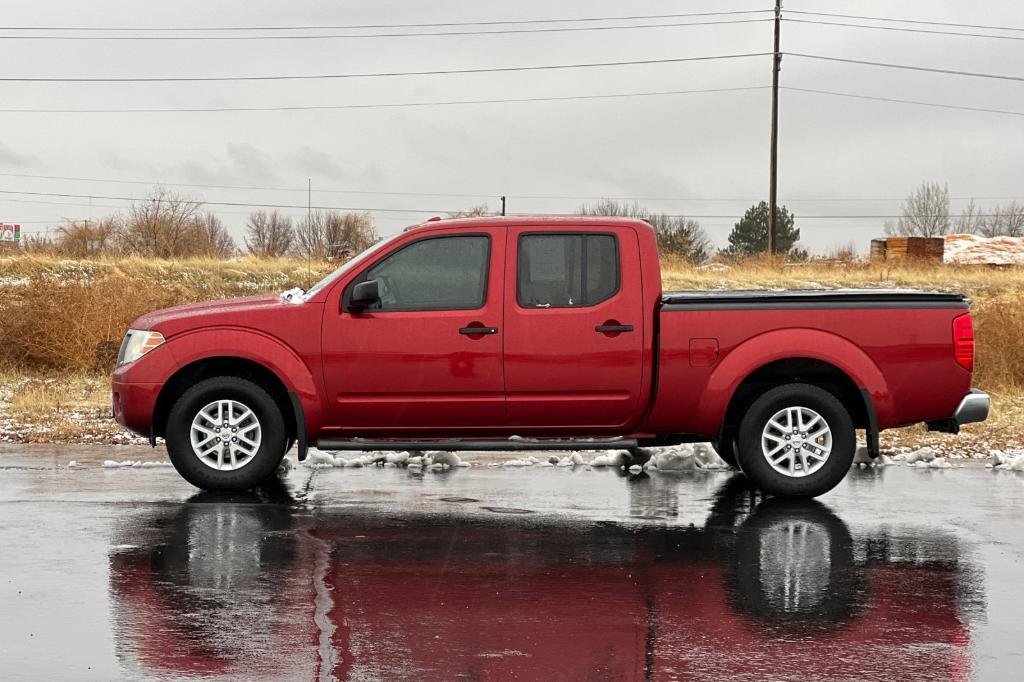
[[315, 289]]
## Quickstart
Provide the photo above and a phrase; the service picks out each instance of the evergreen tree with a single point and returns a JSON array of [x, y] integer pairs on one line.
[[750, 235]]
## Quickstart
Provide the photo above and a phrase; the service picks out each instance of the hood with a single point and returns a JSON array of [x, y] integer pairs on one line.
[[170, 321]]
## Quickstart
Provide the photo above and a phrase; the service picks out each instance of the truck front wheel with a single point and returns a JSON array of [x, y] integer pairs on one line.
[[796, 440], [225, 433]]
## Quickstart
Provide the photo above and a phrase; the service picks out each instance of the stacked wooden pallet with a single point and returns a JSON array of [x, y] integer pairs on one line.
[[899, 248]]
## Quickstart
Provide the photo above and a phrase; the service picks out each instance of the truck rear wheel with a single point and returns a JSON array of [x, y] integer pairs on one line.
[[226, 433], [796, 440]]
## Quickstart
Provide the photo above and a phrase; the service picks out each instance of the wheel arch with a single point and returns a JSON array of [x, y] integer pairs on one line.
[[802, 370], [215, 366], [810, 356]]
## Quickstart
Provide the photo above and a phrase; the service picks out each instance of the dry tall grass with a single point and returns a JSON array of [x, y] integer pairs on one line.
[[70, 315]]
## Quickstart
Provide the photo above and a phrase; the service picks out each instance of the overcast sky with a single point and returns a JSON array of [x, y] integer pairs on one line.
[[702, 154]]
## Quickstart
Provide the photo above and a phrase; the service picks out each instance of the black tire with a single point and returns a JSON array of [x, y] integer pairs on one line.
[[272, 431], [755, 465], [726, 449]]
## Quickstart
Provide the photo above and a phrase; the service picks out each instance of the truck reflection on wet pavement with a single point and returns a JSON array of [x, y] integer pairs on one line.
[[278, 585]]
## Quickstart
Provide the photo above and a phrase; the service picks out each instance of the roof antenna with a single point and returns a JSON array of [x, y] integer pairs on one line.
[[502, 204]]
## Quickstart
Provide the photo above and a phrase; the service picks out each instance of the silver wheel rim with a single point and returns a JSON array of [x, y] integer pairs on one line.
[[796, 441], [225, 435]]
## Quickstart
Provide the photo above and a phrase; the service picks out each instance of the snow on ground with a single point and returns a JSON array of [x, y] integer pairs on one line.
[[1012, 460], [666, 460], [128, 464], [971, 249]]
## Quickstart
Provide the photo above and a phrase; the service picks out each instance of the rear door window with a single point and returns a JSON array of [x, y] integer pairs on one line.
[[566, 270]]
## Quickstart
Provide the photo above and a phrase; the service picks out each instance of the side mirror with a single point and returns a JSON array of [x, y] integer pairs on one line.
[[364, 295]]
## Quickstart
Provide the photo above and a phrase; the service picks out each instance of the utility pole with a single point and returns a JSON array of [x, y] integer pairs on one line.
[[774, 169], [502, 204], [309, 232]]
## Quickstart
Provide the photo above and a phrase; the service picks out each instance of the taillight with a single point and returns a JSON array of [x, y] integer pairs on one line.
[[963, 341]]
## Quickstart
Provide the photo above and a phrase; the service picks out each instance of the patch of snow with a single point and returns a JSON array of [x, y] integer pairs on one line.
[[293, 296], [612, 458], [1008, 461], [128, 463], [924, 454], [636, 469], [316, 459], [972, 249], [686, 457], [449, 459]]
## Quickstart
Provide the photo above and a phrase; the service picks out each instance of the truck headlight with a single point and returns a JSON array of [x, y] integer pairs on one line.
[[138, 342]]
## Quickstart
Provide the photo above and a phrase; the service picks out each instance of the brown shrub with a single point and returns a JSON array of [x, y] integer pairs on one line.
[[76, 325], [998, 329]]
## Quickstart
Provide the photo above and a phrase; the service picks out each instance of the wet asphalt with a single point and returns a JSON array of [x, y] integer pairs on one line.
[[499, 574]]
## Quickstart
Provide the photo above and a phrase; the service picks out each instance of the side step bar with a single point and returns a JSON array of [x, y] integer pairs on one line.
[[457, 444]]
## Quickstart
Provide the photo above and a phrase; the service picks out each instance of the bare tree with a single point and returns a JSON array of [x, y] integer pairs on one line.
[[970, 220], [473, 212], [85, 238], [1005, 221], [162, 225], [676, 235], [925, 213], [333, 235], [213, 237], [269, 235]]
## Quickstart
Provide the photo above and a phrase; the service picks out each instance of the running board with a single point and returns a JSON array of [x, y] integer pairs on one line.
[[457, 444]]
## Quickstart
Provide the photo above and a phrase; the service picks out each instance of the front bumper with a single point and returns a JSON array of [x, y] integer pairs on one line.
[[134, 405], [973, 408]]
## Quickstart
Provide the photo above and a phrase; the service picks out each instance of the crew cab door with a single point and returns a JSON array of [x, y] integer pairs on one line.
[[428, 356], [573, 327]]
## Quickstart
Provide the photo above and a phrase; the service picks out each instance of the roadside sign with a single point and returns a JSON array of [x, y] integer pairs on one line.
[[10, 233]]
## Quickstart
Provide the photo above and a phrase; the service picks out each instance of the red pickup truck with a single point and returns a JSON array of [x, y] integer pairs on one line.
[[546, 334]]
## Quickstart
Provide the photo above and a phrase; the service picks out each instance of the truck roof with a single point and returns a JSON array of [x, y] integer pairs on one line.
[[552, 221]]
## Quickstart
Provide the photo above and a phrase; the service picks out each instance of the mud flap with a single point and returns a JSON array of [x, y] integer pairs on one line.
[[871, 431], [300, 425]]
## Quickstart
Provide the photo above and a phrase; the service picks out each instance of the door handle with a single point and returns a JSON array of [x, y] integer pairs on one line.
[[478, 328], [613, 328]]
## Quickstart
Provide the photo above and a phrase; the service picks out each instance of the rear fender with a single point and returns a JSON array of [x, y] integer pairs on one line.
[[262, 349], [783, 344]]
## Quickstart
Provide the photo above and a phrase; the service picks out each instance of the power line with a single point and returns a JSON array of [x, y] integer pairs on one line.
[[380, 74], [902, 29], [384, 105], [503, 31], [961, 107], [503, 22], [232, 203], [905, 21], [909, 67], [437, 211], [463, 195]]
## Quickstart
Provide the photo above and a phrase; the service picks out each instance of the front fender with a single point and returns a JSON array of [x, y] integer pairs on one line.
[[258, 347], [784, 344]]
